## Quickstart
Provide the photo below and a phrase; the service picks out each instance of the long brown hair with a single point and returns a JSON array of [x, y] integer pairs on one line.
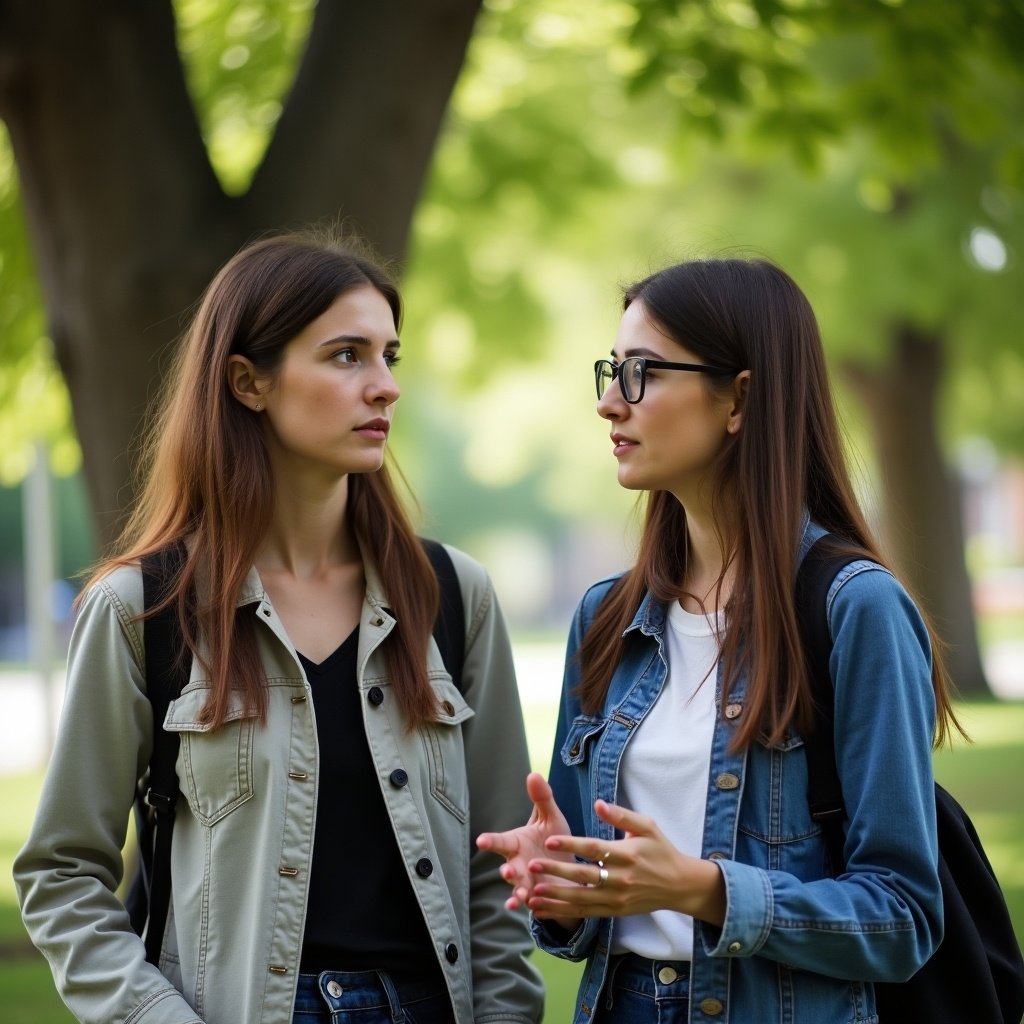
[[207, 478], [749, 315]]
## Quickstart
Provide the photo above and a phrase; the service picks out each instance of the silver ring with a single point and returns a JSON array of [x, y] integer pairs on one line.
[[602, 877]]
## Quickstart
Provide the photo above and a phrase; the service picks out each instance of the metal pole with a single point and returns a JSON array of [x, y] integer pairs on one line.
[[39, 576]]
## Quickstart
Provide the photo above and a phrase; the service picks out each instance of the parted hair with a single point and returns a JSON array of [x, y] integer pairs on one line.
[[748, 314], [206, 477]]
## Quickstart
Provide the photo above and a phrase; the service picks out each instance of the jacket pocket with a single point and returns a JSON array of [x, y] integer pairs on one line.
[[217, 763], [577, 748], [444, 749], [775, 825]]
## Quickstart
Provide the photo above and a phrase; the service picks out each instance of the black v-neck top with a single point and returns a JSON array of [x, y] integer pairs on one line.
[[362, 912]]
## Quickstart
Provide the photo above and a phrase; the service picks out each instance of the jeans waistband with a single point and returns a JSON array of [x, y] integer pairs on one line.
[[652, 974], [337, 990]]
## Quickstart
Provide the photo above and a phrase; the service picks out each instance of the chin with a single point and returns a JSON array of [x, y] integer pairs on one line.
[[630, 482]]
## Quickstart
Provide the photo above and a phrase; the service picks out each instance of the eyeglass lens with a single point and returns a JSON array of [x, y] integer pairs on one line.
[[630, 373]]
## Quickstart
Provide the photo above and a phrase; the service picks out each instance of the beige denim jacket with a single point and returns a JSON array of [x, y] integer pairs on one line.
[[243, 837]]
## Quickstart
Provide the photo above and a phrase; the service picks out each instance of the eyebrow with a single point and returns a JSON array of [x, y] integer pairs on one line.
[[646, 352], [356, 339]]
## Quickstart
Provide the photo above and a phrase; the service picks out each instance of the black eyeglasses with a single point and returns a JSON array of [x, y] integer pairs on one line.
[[632, 374]]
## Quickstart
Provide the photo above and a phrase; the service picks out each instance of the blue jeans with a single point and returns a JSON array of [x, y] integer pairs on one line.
[[642, 991], [368, 997]]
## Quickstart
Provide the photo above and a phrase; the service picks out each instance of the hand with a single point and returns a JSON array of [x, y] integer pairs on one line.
[[637, 874], [520, 846]]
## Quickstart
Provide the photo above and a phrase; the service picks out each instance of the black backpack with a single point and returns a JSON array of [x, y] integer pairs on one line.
[[149, 892], [976, 975]]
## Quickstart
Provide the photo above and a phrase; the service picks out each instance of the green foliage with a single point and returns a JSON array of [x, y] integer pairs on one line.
[[803, 73], [239, 61]]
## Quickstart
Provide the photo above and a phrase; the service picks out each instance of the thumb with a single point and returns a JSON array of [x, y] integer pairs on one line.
[[539, 790]]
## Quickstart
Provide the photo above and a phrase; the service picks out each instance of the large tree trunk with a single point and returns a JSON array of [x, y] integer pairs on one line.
[[922, 522], [126, 217]]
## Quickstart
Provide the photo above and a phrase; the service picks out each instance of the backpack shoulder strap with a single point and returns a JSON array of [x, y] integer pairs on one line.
[[824, 792], [166, 676], [450, 625]]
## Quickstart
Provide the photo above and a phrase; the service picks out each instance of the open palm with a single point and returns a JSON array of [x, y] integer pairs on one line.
[[520, 846]]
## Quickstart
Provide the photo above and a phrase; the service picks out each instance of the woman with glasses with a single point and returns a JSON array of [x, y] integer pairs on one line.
[[321, 862], [672, 846]]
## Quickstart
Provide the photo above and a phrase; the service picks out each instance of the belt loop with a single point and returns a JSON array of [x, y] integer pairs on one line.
[[397, 1013]]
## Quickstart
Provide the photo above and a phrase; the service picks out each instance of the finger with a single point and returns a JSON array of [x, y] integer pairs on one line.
[[624, 819], [569, 870], [596, 850], [581, 846], [504, 843]]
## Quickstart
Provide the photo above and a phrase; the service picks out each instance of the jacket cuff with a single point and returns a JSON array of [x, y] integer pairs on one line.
[[748, 913]]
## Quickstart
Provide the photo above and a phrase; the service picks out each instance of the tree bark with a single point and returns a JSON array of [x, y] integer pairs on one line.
[[922, 522], [125, 215]]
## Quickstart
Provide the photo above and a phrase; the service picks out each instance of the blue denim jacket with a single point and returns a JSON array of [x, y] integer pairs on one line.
[[797, 945]]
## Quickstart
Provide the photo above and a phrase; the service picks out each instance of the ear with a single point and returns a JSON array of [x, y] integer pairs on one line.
[[244, 382], [740, 389]]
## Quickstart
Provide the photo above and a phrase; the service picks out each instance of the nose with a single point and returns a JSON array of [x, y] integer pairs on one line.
[[611, 405], [384, 389]]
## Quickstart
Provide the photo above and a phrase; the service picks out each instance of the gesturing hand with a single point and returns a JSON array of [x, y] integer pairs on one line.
[[637, 874], [520, 846]]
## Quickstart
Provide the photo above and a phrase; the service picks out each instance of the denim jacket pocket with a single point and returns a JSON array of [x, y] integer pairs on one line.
[[775, 825], [444, 749], [580, 739], [217, 763]]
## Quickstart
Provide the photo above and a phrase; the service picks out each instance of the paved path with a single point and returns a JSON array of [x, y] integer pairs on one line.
[[23, 723]]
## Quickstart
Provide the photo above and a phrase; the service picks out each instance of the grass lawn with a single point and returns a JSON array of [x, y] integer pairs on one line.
[[984, 776]]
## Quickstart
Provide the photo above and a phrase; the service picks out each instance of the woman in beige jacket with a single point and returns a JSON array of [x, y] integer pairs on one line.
[[332, 775]]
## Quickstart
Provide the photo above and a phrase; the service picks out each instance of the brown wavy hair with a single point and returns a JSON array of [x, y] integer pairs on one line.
[[207, 480], [749, 314]]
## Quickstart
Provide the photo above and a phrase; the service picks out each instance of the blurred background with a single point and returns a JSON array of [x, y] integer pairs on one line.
[[520, 161]]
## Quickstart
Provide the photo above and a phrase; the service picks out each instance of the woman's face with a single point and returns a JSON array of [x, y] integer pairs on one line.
[[328, 408], [670, 439]]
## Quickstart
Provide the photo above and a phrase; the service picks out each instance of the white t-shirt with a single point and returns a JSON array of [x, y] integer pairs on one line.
[[665, 768]]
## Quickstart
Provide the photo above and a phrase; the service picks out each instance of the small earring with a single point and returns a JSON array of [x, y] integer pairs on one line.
[[259, 407]]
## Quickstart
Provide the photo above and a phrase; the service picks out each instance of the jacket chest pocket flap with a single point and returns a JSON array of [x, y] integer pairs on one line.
[[576, 750], [216, 764], [444, 748]]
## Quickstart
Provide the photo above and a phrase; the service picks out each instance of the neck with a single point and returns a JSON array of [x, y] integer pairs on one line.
[[310, 530], [708, 553]]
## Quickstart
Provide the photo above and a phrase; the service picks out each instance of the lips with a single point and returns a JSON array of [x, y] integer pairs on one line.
[[375, 430], [622, 444]]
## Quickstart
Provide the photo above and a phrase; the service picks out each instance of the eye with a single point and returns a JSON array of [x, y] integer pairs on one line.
[[392, 358], [345, 355]]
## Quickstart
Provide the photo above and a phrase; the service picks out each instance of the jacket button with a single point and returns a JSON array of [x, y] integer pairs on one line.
[[727, 781], [448, 708], [712, 1007], [733, 710], [667, 975], [574, 750], [377, 621], [735, 947], [424, 868], [375, 696], [718, 856], [451, 952], [399, 777], [334, 990]]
